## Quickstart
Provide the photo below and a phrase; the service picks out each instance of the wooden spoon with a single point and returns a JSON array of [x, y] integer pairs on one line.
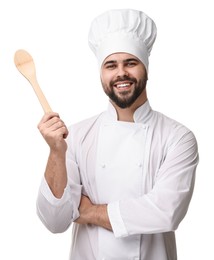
[[25, 64]]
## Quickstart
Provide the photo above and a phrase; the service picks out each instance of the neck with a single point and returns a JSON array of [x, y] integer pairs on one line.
[[127, 114]]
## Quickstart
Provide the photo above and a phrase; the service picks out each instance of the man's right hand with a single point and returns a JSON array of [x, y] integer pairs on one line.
[[54, 131]]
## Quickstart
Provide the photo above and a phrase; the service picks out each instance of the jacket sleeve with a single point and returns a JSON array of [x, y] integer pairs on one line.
[[57, 214], [163, 208]]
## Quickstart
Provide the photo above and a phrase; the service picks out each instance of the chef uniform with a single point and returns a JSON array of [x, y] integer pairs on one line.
[[143, 170]]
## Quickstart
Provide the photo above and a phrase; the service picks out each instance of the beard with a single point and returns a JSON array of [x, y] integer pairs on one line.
[[126, 98]]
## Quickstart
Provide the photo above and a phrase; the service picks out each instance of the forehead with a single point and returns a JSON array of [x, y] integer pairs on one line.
[[120, 57]]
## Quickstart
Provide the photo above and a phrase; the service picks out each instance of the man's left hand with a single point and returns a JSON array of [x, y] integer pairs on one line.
[[93, 214]]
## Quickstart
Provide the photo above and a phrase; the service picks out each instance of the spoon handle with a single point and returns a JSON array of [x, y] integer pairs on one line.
[[42, 99]]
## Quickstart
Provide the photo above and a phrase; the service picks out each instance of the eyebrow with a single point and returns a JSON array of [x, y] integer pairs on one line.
[[124, 61], [131, 59]]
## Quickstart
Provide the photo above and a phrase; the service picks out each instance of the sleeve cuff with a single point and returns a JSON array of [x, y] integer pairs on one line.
[[47, 193], [116, 220]]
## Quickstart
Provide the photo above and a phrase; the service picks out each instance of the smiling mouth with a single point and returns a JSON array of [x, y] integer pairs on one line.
[[123, 85]]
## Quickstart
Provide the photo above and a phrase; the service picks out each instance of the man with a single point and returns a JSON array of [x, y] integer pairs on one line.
[[125, 177]]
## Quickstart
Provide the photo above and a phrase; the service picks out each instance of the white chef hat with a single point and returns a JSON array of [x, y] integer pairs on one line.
[[122, 30]]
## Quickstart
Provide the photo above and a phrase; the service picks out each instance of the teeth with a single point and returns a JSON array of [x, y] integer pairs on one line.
[[123, 85]]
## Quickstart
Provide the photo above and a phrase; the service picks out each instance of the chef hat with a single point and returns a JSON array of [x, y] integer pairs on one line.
[[122, 30]]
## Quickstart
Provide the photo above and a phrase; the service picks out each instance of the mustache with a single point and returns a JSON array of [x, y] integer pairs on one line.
[[121, 79]]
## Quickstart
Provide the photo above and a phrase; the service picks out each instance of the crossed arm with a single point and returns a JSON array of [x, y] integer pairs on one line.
[[93, 214]]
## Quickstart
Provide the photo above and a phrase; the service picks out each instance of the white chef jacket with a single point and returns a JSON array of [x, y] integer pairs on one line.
[[143, 170]]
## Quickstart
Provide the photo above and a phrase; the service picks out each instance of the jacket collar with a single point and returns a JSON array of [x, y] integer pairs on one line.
[[141, 115]]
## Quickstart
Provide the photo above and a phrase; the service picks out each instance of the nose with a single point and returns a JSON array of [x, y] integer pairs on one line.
[[122, 71]]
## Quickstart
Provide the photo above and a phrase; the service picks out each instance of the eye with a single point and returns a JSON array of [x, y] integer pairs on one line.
[[131, 64], [110, 66]]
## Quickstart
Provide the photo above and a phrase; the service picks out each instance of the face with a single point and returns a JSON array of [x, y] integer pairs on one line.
[[123, 78]]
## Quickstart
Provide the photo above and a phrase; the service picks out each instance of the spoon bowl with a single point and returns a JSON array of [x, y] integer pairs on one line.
[[25, 65]]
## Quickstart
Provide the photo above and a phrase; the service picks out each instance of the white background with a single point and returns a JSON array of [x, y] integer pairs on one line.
[[55, 33]]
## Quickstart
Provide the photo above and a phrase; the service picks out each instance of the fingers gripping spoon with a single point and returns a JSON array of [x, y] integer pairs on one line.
[[25, 64]]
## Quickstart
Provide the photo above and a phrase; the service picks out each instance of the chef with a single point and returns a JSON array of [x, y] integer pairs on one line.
[[125, 177]]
